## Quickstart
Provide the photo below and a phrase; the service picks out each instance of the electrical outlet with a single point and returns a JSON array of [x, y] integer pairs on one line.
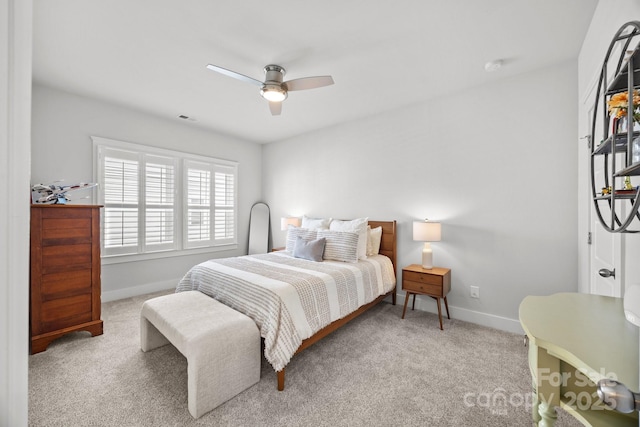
[[474, 291]]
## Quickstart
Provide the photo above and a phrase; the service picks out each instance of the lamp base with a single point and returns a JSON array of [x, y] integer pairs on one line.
[[427, 256]]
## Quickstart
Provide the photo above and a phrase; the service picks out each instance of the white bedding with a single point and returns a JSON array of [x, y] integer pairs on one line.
[[290, 299]]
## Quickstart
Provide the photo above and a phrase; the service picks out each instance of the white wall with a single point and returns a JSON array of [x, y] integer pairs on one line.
[[15, 103], [609, 16], [496, 165], [62, 149]]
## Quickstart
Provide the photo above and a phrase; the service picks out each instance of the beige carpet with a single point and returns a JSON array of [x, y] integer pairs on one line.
[[377, 371]]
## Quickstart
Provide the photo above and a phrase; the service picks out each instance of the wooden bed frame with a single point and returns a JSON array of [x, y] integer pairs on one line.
[[387, 248]]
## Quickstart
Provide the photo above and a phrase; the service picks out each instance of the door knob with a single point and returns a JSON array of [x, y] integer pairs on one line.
[[607, 273], [616, 395]]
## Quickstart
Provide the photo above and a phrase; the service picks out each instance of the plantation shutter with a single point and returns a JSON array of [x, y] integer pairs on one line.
[[224, 212], [121, 198], [159, 203], [210, 205], [198, 204]]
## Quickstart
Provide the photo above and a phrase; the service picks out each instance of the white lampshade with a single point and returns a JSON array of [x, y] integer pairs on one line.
[[289, 220], [424, 231]]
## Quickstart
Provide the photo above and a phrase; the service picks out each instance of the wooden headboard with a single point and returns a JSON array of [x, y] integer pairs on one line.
[[388, 242]]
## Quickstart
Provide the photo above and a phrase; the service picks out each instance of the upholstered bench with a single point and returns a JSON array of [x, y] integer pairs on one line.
[[222, 346]]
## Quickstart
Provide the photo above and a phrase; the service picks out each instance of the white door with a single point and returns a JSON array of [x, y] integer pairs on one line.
[[606, 261], [606, 274]]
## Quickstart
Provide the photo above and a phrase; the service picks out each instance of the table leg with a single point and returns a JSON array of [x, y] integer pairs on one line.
[[413, 306], [548, 415], [534, 408], [446, 304], [406, 300], [439, 313]]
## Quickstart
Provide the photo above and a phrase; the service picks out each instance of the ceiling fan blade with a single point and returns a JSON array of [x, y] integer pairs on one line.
[[276, 108], [308, 83], [234, 74]]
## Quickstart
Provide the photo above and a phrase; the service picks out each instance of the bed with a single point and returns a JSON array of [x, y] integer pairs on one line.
[[296, 302]]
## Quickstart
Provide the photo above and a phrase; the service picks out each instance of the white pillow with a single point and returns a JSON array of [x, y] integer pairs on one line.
[[340, 245], [295, 232], [356, 226], [374, 236], [315, 223]]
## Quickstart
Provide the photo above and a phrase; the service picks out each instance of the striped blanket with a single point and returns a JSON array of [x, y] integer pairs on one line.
[[289, 298]]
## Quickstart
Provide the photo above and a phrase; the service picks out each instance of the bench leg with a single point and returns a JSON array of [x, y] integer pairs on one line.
[[150, 336], [216, 372]]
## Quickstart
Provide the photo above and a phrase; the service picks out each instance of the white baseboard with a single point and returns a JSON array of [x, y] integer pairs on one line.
[[477, 317], [134, 291]]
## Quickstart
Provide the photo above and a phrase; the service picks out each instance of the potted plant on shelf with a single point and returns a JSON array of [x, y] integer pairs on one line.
[[618, 109]]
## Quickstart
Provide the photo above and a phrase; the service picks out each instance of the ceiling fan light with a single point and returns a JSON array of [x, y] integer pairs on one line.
[[273, 93]]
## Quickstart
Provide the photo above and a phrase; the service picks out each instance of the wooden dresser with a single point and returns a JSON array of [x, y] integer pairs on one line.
[[65, 272]]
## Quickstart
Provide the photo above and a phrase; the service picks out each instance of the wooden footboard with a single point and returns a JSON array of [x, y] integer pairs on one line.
[[387, 248]]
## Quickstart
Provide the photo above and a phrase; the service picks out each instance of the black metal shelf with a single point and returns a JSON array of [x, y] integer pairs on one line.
[[607, 197], [621, 82], [621, 143], [633, 170], [627, 78]]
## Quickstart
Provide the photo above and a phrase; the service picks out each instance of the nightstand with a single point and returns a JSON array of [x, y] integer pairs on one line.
[[435, 283], [278, 249]]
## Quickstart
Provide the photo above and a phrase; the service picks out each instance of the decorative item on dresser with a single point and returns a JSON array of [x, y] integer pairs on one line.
[[434, 282], [65, 272]]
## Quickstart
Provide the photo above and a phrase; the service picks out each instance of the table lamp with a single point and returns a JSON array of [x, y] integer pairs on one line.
[[427, 232], [285, 221]]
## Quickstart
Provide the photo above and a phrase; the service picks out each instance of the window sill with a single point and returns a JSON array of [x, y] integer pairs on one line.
[[119, 259]]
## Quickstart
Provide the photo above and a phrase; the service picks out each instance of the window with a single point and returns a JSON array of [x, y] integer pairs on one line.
[[207, 221], [119, 185], [158, 200]]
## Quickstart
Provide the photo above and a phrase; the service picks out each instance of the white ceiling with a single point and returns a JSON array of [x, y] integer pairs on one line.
[[383, 55]]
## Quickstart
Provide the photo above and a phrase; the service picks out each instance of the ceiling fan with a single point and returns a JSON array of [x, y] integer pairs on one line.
[[273, 89]]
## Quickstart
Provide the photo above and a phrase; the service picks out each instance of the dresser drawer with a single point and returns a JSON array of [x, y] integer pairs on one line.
[[423, 288], [65, 312], [66, 284], [66, 257], [68, 231], [429, 279]]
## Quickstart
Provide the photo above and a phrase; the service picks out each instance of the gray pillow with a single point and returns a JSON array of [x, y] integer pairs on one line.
[[311, 250]]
